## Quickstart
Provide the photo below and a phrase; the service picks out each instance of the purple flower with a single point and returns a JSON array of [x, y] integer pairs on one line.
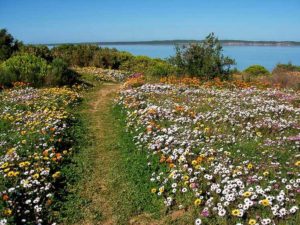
[[205, 213]]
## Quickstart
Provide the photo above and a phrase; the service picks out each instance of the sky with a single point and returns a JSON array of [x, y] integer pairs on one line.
[[59, 21]]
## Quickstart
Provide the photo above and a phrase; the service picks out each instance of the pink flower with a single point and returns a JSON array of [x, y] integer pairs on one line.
[[205, 213]]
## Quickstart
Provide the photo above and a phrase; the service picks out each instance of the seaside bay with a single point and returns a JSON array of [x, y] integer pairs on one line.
[[267, 56]]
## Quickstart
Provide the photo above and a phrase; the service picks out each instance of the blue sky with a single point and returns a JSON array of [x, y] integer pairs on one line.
[[53, 21]]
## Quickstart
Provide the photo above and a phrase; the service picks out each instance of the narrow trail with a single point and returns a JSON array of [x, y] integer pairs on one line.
[[115, 188], [101, 153]]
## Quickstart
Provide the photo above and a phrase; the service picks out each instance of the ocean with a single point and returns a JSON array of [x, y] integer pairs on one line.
[[267, 56]]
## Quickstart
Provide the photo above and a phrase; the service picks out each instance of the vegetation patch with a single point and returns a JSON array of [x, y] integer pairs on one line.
[[222, 155], [35, 145]]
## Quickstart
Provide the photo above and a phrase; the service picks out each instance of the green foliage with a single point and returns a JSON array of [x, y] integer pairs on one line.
[[8, 45], [92, 55], [256, 70], [287, 67], [160, 68], [148, 66], [26, 68], [75, 55], [37, 50], [59, 74], [36, 71], [204, 60]]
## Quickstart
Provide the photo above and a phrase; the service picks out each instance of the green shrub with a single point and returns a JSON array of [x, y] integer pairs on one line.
[[75, 55], [256, 70], [136, 64], [204, 60], [59, 74], [25, 68], [286, 67], [8, 45], [160, 68], [37, 50]]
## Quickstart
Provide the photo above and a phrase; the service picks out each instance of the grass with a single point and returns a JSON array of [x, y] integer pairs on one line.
[[108, 177]]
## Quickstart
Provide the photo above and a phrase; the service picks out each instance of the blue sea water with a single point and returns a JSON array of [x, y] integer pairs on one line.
[[267, 56]]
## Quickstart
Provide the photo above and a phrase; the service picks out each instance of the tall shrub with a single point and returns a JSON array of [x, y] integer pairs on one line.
[[25, 68], [204, 60], [8, 45]]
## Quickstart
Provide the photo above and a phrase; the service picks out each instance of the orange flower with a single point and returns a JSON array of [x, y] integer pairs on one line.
[[5, 197]]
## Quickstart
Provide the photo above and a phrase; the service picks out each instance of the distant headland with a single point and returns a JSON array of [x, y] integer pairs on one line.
[[181, 42]]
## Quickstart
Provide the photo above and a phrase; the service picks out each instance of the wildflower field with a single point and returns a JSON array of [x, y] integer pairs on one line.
[[34, 143], [224, 155]]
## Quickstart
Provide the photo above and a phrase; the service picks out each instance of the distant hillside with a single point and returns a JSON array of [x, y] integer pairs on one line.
[[174, 42]]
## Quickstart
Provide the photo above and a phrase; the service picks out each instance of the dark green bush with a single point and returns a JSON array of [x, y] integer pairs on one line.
[[204, 60], [8, 45], [75, 55], [35, 71], [25, 68], [256, 70], [37, 50], [60, 74]]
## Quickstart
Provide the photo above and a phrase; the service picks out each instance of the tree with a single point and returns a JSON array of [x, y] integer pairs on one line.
[[204, 60], [8, 45]]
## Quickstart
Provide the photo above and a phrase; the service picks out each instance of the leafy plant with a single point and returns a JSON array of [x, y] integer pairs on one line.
[[8, 45], [37, 50], [204, 60], [256, 70], [26, 68], [59, 74]]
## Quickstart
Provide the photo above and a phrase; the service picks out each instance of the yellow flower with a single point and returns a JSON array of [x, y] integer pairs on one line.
[[259, 134], [297, 163], [153, 190], [36, 176], [206, 129], [11, 151], [252, 222], [266, 173], [4, 165], [24, 142], [247, 194], [7, 212], [194, 162], [250, 166], [11, 174], [161, 189], [235, 212], [265, 202], [56, 175], [197, 202], [197, 167], [211, 158], [185, 177]]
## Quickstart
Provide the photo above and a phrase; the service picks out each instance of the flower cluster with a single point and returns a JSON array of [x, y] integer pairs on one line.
[[103, 74], [230, 153], [33, 145]]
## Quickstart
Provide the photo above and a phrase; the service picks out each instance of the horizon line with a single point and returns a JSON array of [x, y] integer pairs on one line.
[[170, 41]]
